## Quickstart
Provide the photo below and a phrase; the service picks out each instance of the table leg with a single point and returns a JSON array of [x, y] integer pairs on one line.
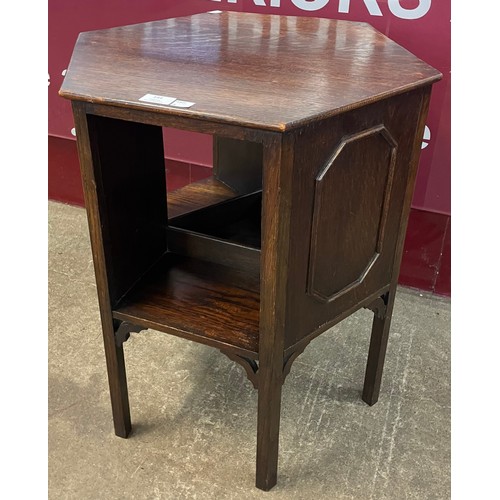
[[378, 346], [268, 423], [276, 210], [117, 379]]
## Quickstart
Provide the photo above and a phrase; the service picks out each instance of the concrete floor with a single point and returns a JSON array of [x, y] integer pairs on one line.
[[194, 411]]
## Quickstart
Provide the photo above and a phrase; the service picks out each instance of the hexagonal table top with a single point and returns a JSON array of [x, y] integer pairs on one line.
[[263, 71]]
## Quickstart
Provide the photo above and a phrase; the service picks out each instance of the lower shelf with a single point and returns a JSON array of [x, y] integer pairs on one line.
[[204, 302]]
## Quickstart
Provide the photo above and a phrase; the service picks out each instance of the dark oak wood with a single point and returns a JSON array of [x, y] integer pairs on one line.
[[381, 326], [123, 329], [238, 164], [231, 130], [362, 203], [133, 206], [227, 233], [305, 341], [210, 249], [250, 366], [317, 127], [202, 301], [236, 220], [198, 195], [280, 73], [359, 219], [378, 347], [95, 202], [276, 244], [378, 307]]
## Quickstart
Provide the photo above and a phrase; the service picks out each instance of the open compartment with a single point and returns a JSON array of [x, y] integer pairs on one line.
[[237, 171], [218, 219], [228, 233], [211, 303], [205, 285], [237, 220]]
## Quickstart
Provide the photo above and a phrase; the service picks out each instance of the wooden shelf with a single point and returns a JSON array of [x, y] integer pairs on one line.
[[198, 195], [237, 220], [201, 301]]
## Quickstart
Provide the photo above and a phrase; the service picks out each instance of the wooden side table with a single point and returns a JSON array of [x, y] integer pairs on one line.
[[317, 128]]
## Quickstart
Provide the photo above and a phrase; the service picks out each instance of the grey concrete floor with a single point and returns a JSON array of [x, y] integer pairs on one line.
[[194, 411]]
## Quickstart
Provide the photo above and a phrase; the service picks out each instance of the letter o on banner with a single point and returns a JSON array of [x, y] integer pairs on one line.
[[415, 13], [310, 4]]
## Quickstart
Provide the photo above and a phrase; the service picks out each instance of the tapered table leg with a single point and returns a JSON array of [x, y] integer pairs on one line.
[[376, 354], [117, 378], [268, 423]]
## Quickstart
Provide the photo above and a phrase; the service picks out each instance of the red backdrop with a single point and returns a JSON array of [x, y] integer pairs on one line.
[[421, 26]]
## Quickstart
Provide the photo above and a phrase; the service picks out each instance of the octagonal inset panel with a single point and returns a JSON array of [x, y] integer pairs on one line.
[[351, 198]]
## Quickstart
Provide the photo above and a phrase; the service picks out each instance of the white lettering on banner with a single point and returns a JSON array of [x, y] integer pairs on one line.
[[310, 4], [344, 6], [371, 5], [415, 13]]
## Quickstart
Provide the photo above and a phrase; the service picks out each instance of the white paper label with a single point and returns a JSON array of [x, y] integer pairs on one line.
[[166, 101], [157, 99], [182, 104]]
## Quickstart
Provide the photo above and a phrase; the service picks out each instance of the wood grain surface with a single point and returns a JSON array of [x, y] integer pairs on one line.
[[256, 70], [201, 301], [198, 195]]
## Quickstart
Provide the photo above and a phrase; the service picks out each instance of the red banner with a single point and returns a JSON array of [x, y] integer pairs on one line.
[[421, 26]]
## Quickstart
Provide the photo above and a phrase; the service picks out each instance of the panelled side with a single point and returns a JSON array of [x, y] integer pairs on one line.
[[350, 179]]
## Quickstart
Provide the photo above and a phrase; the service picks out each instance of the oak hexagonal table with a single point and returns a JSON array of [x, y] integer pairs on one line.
[[317, 126]]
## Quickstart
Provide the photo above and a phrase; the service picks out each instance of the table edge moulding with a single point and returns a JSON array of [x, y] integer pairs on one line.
[[317, 126]]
